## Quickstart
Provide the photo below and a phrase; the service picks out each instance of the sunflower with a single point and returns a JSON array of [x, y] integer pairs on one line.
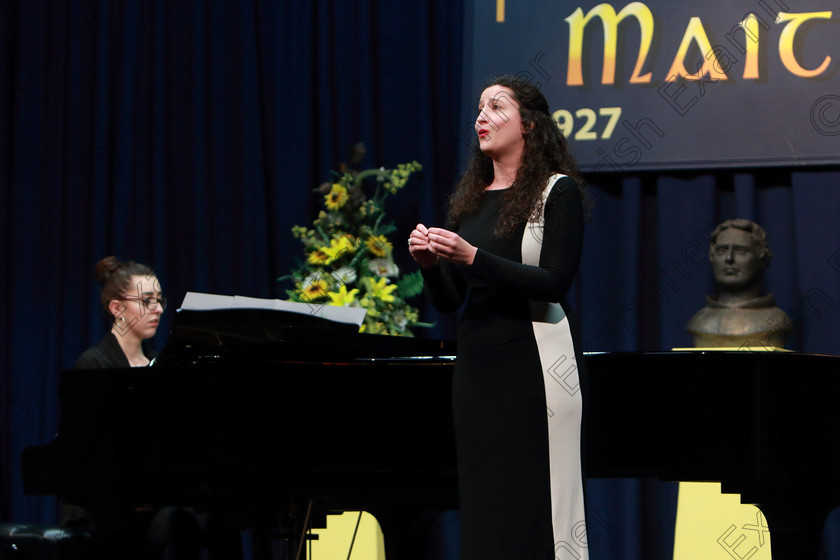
[[378, 245], [345, 245], [348, 259], [337, 197], [318, 257], [314, 290]]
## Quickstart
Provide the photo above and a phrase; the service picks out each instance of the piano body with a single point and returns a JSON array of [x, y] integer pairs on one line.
[[253, 413], [763, 424]]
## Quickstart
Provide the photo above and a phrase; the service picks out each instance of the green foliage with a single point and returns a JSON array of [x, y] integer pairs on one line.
[[349, 258]]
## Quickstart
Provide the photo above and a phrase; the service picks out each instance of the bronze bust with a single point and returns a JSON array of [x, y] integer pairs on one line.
[[739, 316]]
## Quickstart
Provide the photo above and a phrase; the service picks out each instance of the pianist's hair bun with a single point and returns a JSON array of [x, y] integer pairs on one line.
[[105, 268]]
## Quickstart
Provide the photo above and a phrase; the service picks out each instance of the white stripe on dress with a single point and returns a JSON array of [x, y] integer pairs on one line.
[[563, 406]]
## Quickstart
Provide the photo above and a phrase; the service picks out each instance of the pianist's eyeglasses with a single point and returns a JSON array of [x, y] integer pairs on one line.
[[150, 302]]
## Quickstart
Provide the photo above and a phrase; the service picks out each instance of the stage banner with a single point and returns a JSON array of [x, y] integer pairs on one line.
[[661, 84]]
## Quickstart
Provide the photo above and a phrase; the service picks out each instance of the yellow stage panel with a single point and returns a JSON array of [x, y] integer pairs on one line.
[[715, 526], [334, 542]]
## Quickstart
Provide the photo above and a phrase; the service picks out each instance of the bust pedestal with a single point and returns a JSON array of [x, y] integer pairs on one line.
[[755, 323]]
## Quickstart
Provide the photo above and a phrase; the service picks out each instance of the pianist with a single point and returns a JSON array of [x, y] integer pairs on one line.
[[132, 302]]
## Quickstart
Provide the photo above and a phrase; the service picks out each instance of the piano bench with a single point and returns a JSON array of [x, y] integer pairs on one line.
[[44, 542]]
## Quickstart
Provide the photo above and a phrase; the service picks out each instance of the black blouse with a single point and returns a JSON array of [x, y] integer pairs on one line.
[[108, 354]]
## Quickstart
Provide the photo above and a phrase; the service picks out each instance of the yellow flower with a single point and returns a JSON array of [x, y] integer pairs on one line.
[[315, 290], [318, 257], [377, 327], [399, 176], [345, 263], [343, 297], [336, 197], [378, 245], [380, 289], [370, 305], [338, 248]]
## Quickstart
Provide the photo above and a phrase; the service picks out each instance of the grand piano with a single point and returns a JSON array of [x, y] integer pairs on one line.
[[270, 418], [273, 420]]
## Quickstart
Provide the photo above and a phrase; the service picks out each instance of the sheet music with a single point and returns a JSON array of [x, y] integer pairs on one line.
[[201, 301]]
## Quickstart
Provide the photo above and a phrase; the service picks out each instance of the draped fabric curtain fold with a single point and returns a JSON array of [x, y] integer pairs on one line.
[[646, 271], [189, 136]]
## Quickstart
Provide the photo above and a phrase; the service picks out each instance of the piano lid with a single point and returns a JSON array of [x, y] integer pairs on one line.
[[212, 335]]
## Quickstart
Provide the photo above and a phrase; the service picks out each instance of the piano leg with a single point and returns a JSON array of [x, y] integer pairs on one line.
[[174, 533], [264, 545], [406, 533], [795, 530], [120, 530]]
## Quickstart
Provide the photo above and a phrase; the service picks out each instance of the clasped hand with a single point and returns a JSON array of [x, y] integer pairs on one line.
[[426, 245]]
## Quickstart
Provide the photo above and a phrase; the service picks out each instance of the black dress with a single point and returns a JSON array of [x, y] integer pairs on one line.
[[517, 397]]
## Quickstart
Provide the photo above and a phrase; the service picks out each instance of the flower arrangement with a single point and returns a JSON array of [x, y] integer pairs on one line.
[[349, 258]]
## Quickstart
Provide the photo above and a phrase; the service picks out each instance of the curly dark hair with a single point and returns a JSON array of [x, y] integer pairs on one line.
[[544, 154]]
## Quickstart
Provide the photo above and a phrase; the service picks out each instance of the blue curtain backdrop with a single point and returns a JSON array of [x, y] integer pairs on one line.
[[188, 135]]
